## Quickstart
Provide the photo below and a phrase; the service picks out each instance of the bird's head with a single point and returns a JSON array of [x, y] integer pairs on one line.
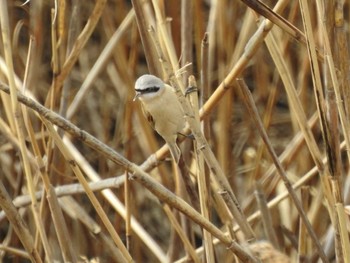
[[148, 87]]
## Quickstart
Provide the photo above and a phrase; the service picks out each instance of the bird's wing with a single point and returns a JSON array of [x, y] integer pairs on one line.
[[148, 116]]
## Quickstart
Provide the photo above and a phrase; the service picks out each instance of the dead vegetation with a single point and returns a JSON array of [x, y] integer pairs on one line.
[[264, 174]]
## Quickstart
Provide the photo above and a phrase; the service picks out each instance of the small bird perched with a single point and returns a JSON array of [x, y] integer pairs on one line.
[[162, 109]]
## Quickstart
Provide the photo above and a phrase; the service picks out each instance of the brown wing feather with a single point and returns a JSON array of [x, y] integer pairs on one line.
[[148, 116]]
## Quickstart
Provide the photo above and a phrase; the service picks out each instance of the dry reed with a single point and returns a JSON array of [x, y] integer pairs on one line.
[[264, 170]]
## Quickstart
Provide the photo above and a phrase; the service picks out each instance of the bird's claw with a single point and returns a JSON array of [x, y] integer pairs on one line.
[[190, 90]]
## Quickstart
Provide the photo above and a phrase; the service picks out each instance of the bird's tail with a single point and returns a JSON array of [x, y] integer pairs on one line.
[[175, 151]]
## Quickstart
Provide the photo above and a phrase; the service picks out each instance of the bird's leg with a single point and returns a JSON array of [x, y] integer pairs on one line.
[[190, 136], [190, 90]]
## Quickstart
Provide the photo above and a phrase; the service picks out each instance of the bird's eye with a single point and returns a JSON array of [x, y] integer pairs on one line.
[[148, 90], [152, 89]]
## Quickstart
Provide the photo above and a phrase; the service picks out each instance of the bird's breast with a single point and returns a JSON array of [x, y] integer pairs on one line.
[[166, 112]]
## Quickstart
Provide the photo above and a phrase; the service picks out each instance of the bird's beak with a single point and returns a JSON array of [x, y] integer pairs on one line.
[[138, 94]]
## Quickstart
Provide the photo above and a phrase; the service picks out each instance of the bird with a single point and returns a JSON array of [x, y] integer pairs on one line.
[[162, 109]]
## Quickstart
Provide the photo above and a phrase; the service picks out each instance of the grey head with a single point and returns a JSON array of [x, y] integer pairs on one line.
[[148, 86]]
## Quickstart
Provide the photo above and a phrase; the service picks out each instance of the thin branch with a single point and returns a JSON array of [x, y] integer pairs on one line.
[[138, 174], [249, 102]]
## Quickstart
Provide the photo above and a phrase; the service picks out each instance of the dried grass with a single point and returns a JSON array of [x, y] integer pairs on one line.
[[85, 179]]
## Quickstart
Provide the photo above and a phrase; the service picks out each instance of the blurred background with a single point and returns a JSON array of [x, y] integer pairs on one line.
[[80, 59]]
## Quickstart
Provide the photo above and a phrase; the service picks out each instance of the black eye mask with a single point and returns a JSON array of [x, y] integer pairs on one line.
[[148, 90]]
